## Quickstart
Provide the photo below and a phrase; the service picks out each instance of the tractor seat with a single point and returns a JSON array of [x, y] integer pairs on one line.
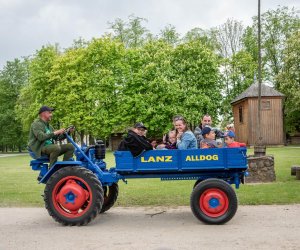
[[43, 158]]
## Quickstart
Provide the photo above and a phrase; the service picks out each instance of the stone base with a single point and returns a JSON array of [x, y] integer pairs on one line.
[[294, 169], [261, 169]]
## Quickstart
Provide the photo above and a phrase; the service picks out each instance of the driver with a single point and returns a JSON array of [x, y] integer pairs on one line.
[[42, 138]]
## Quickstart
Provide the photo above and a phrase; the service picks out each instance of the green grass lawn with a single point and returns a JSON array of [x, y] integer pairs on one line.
[[19, 187]]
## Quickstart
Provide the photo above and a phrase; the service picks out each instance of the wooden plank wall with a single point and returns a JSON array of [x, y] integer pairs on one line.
[[271, 121], [241, 129], [115, 141]]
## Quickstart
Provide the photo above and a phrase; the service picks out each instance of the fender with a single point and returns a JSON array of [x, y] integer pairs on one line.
[[58, 165]]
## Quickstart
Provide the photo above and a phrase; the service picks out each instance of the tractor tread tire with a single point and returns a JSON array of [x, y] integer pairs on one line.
[[113, 192], [222, 185], [95, 186]]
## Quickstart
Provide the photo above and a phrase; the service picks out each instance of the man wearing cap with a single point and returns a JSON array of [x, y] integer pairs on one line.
[[42, 137], [206, 122], [135, 141]]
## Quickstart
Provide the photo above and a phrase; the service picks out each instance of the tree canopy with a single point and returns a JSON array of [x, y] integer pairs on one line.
[[104, 85]]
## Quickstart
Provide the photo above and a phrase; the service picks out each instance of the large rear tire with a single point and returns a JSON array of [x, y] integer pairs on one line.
[[110, 196], [214, 201], [73, 196]]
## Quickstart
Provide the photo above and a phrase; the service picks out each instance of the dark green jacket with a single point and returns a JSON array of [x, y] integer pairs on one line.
[[38, 136]]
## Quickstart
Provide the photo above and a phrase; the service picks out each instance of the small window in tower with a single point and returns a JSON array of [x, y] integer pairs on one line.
[[241, 118], [265, 104]]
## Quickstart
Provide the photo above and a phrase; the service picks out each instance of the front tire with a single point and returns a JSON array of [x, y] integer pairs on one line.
[[213, 201], [110, 196], [73, 196]]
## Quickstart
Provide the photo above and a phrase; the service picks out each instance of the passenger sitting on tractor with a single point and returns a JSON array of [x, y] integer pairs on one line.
[[169, 141], [185, 137], [154, 142], [206, 122], [135, 141], [42, 138], [229, 140], [230, 127], [209, 136]]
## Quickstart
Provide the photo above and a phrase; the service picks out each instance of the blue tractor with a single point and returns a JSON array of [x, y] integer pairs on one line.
[[77, 191]]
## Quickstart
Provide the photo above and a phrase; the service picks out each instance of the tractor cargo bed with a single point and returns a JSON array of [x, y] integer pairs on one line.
[[182, 161]]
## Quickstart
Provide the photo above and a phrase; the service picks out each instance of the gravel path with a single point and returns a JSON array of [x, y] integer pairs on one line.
[[159, 228]]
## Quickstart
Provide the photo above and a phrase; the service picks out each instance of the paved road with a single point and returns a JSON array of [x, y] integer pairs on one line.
[[253, 227]]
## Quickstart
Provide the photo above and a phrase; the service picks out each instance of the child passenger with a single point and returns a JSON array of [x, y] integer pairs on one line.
[[229, 140], [209, 138], [170, 143]]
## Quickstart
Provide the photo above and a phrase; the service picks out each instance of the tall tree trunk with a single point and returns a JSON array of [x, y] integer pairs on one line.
[[91, 140], [81, 137]]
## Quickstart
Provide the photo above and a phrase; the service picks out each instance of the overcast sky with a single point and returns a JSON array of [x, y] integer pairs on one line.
[[27, 25]]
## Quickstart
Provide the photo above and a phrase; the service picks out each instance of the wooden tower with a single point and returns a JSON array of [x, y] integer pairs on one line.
[[245, 108]]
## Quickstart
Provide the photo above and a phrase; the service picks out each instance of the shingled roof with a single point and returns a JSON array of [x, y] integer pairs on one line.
[[252, 91]]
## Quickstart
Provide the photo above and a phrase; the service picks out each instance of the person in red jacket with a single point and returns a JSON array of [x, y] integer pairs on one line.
[[229, 140]]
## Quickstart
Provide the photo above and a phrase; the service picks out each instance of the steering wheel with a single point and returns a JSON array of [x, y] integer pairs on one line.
[[67, 131]]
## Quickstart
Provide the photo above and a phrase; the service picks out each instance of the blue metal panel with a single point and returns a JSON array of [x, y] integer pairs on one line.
[[153, 160], [37, 164], [195, 160], [236, 157], [203, 159], [57, 166], [124, 160], [108, 178]]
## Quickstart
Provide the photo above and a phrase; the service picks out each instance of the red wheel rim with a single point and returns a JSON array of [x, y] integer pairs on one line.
[[214, 202], [72, 197]]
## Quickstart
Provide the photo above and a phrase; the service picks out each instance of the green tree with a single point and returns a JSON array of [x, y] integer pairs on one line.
[[86, 84], [132, 33], [107, 63], [249, 42], [196, 76], [238, 73], [120, 30], [169, 35], [228, 37], [276, 26], [148, 92], [12, 78], [205, 37], [289, 82], [36, 92], [68, 88], [163, 81]]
